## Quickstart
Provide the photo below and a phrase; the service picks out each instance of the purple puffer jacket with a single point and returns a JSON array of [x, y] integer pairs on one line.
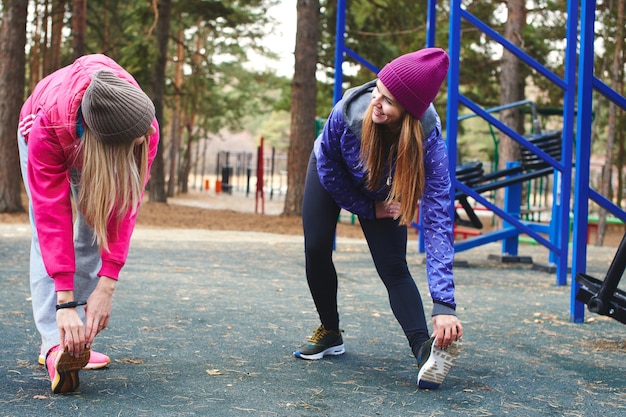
[[341, 173]]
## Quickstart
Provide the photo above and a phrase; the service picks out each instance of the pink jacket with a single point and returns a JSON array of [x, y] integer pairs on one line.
[[49, 122]]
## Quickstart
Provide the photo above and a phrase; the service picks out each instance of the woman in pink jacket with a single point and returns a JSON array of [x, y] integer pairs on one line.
[[87, 133]]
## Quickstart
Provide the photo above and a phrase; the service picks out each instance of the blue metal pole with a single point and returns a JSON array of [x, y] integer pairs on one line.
[[339, 49], [452, 110], [563, 180], [431, 26], [583, 152], [512, 203], [431, 23]]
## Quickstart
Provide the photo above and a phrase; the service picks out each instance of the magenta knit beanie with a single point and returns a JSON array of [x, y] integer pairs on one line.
[[414, 79]]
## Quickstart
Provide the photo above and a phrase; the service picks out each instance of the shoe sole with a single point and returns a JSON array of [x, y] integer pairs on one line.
[[89, 367], [331, 351], [67, 367], [436, 368]]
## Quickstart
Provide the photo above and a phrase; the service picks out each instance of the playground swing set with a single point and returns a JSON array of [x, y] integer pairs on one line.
[[543, 154]]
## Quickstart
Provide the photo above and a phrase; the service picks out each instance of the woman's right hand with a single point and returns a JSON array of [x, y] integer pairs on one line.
[[71, 331], [386, 210], [98, 309]]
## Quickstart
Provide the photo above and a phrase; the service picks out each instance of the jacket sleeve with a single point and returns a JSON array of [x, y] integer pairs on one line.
[[119, 234], [49, 186], [337, 150], [437, 223]]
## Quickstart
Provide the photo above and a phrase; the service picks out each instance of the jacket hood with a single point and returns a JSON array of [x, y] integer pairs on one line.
[[354, 104]]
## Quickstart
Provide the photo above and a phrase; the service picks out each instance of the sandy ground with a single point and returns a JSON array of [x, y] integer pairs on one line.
[[207, 210]]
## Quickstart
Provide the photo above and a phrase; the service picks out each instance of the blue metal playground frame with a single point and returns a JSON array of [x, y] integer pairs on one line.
[[577, 111]]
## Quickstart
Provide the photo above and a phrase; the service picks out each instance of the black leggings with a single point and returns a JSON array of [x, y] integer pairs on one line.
[[387, 242]]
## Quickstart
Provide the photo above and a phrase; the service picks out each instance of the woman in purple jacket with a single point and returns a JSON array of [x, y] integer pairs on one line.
[[380, 153], [87, 137]]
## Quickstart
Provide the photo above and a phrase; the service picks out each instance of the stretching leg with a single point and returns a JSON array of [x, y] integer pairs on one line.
[[387, 242], [319, 220]]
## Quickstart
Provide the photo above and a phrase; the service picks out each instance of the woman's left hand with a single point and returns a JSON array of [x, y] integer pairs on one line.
[[448, 329], [385, 210], [98, 309]]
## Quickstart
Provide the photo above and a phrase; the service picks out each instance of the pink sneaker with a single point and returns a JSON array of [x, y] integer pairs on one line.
[[63, 369], [97, 360]]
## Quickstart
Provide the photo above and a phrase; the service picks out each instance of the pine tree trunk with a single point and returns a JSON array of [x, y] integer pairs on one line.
[[176, 128], [79, 27], [616, 77], [511, 86], [34, 57], [185, 168], [157, 175], [303, 98], [511, 82], [57, 16], [12, 70]]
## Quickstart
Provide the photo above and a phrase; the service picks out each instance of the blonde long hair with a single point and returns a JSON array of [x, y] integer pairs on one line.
[[111, 182], [379, 146]]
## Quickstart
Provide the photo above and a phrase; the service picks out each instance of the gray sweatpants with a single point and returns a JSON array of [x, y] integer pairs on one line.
[[41, 284]]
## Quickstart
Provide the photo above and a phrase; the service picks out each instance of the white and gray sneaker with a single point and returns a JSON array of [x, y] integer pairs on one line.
[[434, 363]]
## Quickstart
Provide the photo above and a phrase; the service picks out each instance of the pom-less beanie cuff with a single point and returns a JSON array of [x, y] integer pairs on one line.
[[414, 79], [114, 110]]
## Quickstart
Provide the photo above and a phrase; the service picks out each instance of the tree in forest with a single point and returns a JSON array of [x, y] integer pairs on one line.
[[45, 39], [138, 36], [512, 89], [303, 96], [512, 81], [156, 184], [58, 10], [79, 27], [617, 84], [216, 91], [12, 69], [176, 127], [275, 130]]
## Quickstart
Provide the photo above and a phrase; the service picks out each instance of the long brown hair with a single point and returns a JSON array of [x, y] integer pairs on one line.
[[380, 147], [111, 182]]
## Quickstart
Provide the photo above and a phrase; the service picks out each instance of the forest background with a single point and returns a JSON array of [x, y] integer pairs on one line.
[[193, 57]]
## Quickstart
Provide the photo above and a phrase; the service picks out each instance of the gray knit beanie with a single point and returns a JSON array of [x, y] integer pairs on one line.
[[114, 110]]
